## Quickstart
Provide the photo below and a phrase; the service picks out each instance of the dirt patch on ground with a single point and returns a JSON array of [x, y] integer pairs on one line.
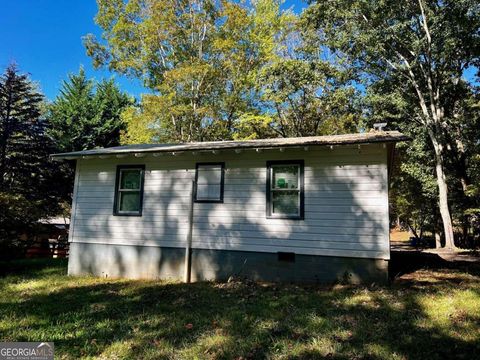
[[398, 235], [456, 255]]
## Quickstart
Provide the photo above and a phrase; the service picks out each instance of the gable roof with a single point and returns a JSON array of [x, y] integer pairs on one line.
[[348, 139]]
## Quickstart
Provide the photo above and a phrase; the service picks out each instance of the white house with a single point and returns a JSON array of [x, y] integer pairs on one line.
[[311, 209]]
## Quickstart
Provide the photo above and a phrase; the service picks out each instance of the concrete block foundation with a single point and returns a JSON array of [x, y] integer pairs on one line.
[[149, 262]]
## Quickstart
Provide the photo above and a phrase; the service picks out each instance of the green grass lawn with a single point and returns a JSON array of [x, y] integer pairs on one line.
[[428, 314]]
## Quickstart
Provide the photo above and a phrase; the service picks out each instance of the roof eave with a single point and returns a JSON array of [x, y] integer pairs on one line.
[[188, 148]]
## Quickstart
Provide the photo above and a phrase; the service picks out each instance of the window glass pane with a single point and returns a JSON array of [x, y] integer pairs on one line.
[[209, 174], [285, 202], [208, 191], [285, 177], [129, 201], [209, 182], [130, 179]]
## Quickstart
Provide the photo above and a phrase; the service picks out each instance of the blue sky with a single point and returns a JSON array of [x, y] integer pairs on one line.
[[44, 38]]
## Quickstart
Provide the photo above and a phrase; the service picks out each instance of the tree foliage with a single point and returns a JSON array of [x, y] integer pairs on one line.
[[306, 93], [220, 70], [27, 177], [419, 50], [199, 56], [86, 115]]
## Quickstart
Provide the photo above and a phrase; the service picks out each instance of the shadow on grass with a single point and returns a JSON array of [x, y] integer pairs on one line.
[[404, 262], [33, 267], [149, 319]]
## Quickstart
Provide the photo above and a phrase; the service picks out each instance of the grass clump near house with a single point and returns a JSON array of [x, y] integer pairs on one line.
[[427, 314]]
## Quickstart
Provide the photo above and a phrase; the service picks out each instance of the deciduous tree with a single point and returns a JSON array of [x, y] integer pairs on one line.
[[424, 44], [201, 58]]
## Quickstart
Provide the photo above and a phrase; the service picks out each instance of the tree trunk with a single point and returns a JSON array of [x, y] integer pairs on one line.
[[443, 197], [434, 130], [465, 226], [438, 243], [5, 136], [412, 231], [461, 163], [3, 153]]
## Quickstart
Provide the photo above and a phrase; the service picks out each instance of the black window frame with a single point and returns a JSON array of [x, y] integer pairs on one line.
[[222, 182], [116, 212], [301, 164]]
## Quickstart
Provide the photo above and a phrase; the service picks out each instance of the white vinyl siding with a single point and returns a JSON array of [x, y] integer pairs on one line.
[[346, 204]]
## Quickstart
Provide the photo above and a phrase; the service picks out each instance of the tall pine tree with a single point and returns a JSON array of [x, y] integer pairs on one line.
[[26, 174], [23, 145], [85, 116]]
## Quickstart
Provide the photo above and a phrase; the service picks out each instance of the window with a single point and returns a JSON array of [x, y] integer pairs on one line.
[[129, 190], [209, 179], [285, 198]]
